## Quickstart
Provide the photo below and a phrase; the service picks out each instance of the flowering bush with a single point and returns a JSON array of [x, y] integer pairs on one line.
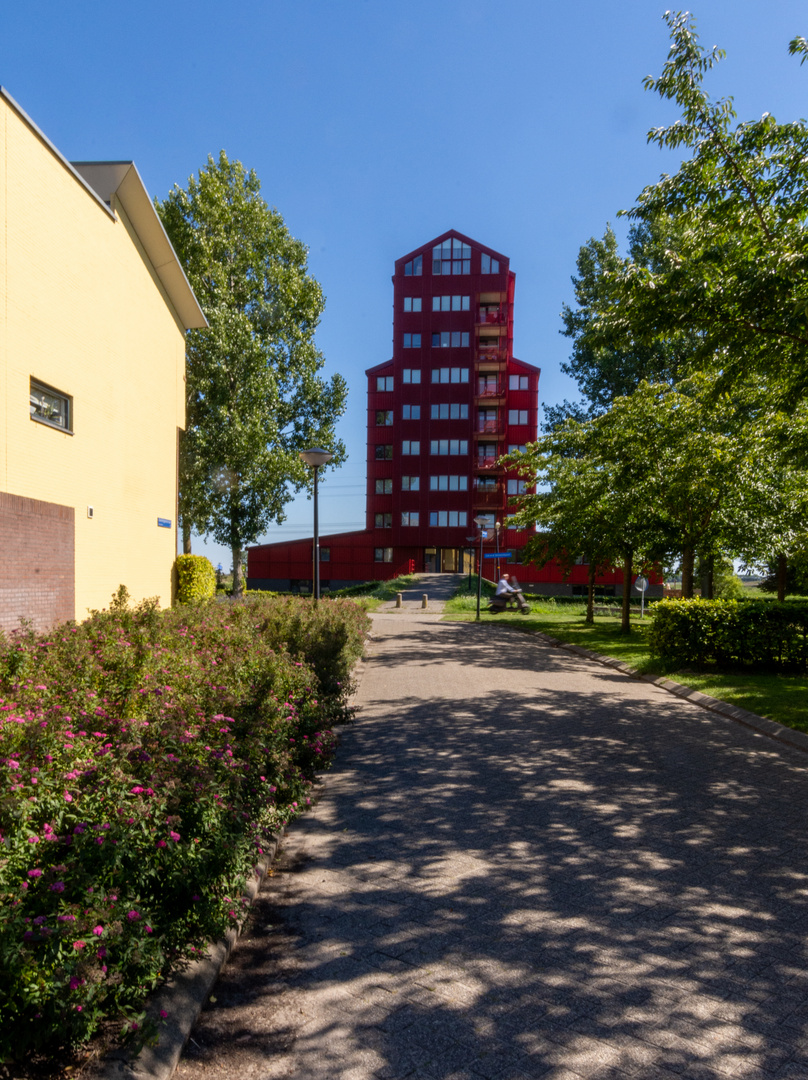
[[145, 757]]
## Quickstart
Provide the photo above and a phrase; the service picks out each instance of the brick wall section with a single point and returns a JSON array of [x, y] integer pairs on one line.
[[37, 562]]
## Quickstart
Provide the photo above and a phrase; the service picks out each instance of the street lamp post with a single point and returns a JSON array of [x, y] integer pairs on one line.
[[471, 541], [498, 526], [479, 522], [314, 458]]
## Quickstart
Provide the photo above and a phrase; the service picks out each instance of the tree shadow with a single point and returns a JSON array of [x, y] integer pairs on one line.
[[576, 881]]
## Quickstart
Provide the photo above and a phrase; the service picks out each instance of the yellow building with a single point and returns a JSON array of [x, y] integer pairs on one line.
[[94, 306]]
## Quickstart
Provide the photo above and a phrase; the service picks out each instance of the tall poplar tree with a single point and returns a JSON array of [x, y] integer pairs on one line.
[[254, 393]]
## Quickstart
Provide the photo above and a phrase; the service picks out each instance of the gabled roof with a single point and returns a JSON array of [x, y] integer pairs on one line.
[[108, 181], [120, 180], [379, 367], [453, 233]]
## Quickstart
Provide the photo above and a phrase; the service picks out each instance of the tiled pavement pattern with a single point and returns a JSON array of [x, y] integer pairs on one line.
[[526, 865]]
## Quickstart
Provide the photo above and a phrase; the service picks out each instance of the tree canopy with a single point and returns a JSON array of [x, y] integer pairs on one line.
[[733, 278], [609, 366], [254, 393], [691, 351]]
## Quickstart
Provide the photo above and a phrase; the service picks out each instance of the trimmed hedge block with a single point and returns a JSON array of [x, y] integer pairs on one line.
[[757, 634], [196, 577]]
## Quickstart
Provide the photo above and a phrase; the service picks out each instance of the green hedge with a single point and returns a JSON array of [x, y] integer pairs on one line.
[[196, 578], [730, 634]]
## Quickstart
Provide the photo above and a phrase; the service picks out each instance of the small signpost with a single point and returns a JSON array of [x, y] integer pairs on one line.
[[641, 584]]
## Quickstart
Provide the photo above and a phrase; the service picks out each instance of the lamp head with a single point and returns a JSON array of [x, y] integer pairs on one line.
[[315, 457]]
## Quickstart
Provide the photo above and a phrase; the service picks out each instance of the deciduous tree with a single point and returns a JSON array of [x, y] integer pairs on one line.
[[734, 276], [254, 393], [606, 368]]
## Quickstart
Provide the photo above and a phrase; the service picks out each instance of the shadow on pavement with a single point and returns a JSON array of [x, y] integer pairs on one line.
[[570, 883]]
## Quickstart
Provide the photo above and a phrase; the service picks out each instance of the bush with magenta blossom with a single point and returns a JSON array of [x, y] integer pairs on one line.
[[145, 759]]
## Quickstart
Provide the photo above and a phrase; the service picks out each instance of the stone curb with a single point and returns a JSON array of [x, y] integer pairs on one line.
[[183, 997], [798, 740]]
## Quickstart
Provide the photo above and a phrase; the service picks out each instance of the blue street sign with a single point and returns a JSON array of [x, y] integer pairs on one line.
[[504, 555], [164, 523]]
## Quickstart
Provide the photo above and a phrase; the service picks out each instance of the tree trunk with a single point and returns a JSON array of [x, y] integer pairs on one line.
[[708, 578], [782, 572], [186, 539], [238, 580], [688, 558], [628, 563], [590, 595]]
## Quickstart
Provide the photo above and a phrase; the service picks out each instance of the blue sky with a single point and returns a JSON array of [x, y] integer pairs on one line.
[[375, 125]]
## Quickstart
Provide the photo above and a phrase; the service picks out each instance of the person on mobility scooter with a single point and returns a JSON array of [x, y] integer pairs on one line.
[[508, 594]]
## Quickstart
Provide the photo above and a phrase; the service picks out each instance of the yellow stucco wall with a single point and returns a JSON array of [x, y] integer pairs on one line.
[[83, 311]]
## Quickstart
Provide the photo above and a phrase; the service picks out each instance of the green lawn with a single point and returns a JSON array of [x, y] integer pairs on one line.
[[779, 697]]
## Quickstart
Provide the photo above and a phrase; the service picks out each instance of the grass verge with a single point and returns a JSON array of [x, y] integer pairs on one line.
[[373, 593], [783, 698]]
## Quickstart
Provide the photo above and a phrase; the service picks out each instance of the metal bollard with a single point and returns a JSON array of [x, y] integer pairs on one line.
[[398, 599], [425, 601]]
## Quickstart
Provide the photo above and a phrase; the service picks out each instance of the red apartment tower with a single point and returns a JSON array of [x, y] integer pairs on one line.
[[441, 413]]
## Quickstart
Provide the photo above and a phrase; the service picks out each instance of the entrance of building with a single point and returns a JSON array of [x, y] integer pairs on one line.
[[443, 560]]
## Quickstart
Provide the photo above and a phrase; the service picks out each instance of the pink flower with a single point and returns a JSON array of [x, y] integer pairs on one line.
[[101, 953], [163, 1013], [68, 797], [34, 873], [161, 843], [57, 886], [79, 944], [98, 930], [136, 790], [133, 915], [148, 929], [175, 836]]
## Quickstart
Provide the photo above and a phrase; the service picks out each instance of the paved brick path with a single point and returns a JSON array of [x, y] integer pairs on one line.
[[526, 865]]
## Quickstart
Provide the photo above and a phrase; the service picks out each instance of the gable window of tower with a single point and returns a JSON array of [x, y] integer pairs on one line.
[[451, 257]]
